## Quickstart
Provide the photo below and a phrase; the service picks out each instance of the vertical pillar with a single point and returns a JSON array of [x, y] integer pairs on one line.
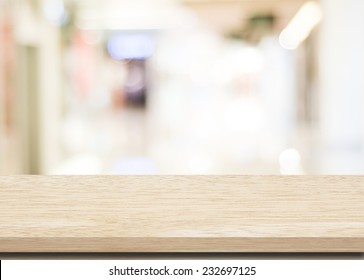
[[50, 95], [38, 101]]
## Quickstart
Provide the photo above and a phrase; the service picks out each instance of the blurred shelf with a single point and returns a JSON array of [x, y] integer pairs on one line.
[[182, 214]]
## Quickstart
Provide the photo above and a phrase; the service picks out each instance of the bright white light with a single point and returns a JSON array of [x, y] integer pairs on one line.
[[55, 11], [245, 116], [300, 26], [130, 46], [290, 162], [250, 60]]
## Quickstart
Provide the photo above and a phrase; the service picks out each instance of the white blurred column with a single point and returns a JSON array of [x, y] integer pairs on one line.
[[38, 80], [50, 90], [342, 87]]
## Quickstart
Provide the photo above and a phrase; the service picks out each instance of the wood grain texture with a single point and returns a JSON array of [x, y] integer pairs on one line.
[[182, 214]]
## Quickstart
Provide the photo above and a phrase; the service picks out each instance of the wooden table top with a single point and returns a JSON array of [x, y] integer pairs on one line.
[[181, 213]]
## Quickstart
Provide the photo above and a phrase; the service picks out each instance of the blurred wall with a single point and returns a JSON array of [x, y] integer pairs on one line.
[[341, 62]]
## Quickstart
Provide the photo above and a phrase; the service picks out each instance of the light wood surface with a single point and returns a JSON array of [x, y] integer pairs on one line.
[[182, 214]]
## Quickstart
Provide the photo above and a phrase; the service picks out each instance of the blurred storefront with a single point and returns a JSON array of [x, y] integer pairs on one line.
[[181, 87]]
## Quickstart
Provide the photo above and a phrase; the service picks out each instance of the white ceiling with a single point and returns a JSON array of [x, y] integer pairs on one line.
[[224, 15], [221, 15]]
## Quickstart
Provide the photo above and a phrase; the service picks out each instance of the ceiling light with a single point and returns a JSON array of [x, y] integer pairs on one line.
[[300, 26]]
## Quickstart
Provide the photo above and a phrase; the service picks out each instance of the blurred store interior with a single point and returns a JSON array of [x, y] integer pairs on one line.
[[181, 87]]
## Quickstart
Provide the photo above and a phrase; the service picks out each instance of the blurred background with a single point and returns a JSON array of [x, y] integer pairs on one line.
[[181, 87]]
